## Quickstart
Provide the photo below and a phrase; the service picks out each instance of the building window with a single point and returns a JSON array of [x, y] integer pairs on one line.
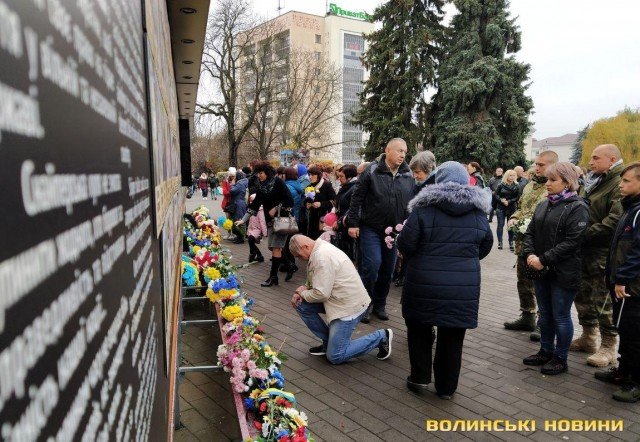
[[318, 38], [318, 55]]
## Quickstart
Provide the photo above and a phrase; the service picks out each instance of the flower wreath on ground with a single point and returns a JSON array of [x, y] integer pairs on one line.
[[253, 364]]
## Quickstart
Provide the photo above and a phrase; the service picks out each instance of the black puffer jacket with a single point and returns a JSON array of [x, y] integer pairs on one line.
[[555, 235], [380, 199], [510, 192], [443, 241], [623, 265]]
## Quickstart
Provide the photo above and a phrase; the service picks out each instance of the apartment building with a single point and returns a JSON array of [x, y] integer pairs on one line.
[[338, 39]]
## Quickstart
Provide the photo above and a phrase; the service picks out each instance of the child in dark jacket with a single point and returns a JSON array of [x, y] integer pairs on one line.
[[623, 280]]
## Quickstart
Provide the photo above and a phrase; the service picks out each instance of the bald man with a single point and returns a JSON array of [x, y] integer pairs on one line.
[[593, 303], [380, 199], [522, 177], [533, 194], [335, 290]]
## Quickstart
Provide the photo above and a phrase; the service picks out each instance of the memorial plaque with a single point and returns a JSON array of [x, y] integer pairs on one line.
[[80, 305]]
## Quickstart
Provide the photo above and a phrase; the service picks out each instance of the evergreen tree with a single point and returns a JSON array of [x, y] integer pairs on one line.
[[402, 58], [576, 149], [481, 111]]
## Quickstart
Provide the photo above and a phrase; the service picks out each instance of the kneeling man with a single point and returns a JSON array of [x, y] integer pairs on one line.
[[335, 289]]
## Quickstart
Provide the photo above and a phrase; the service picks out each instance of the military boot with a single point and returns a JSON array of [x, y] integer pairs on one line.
[[526, 322], [606, 354], [629, 393], [586, 342]]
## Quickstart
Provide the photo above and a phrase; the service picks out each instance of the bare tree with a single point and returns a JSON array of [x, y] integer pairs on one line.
[[230, 52], [302, 96]]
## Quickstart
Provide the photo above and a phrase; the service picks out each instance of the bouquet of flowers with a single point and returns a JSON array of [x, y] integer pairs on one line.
[[391, 234], [310, 193], [279, 421], [519, 228]]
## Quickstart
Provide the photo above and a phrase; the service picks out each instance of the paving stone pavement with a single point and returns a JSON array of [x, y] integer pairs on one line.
[[367, 400]]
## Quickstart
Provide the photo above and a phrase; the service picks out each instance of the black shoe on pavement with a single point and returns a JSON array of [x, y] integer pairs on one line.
[[318, 350], [540, 358], [381, 314], [272, 280], [260, 258], [366, 318], [290, 271], [630, 393], [500, 246], [554, 366], [612, 376], [416, 387], [446, 397], [385, 348]]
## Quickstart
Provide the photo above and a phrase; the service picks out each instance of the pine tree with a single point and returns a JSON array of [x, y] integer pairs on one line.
[[402, 58], [481, 111], [576, 149]]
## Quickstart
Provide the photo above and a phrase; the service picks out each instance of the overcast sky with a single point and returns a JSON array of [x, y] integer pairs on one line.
[[584, 55]]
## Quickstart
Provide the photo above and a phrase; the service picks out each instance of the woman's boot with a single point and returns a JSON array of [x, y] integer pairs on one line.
[[273, 276]]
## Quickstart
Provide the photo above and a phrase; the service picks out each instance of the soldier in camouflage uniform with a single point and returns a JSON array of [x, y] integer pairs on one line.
[[532, 194], [594, 306]]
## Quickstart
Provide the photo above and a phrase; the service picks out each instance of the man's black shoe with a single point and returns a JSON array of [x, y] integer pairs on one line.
[[539, 358], [366, 318], [554, 366], [416, 387], [381, 314], [385, 348], [318, 350], [612, 375]]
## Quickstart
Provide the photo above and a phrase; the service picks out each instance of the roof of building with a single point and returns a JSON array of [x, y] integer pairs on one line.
[[566, 139]]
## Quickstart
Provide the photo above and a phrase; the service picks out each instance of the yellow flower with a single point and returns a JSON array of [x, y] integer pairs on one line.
[[309, 189], [232, 312], [227, 225]]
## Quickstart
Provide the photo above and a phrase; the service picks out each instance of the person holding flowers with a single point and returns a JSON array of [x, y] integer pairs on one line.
[[319, 199], [271, 193], [334, 288], [443, 240]]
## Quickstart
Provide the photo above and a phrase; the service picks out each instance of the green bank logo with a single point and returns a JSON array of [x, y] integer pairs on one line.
[[337, 10]]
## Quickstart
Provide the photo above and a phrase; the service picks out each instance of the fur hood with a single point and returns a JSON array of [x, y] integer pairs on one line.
[[452, 198]]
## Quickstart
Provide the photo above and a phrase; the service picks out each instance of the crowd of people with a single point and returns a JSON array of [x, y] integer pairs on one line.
[[426, 227]]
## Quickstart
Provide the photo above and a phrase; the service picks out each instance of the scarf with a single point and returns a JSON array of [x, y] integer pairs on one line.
[[566, 193], [266, 187], [319, 185]]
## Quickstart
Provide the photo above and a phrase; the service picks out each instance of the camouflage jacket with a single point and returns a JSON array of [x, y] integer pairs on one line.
[[605, 211], [532, 195]]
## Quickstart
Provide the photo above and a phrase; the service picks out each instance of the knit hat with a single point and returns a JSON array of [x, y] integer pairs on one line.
[[452, 171], [232, 170], [302, 169]]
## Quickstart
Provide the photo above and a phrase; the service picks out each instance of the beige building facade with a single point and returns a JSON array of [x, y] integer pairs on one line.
[[337, 38]]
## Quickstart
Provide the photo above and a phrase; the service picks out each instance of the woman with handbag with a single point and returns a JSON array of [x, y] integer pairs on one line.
[[273, 195], [552, 251], [321, 203]]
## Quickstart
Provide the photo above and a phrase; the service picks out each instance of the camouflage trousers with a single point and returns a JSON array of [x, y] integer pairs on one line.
[[526, 292], [594, 304]]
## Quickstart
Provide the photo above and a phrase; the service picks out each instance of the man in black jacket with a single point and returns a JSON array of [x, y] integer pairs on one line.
[[380, 200]]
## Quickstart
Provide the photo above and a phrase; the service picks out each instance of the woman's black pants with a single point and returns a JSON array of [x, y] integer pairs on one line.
[[447, 360]]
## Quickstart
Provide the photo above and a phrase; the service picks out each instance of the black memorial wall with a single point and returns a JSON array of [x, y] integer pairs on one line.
[[81, 333]]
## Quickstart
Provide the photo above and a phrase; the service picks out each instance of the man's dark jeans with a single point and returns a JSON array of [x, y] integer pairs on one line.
[[376, 265]]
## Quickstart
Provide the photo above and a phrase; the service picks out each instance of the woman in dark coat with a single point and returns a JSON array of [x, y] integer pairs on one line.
[[443, 241], [507, 196], [347, 176], [553, 241], [322, 202], [237, 197], [271, 192], [475, 175]]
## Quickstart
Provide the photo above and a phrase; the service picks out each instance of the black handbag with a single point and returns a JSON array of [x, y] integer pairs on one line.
[[530, 272]]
